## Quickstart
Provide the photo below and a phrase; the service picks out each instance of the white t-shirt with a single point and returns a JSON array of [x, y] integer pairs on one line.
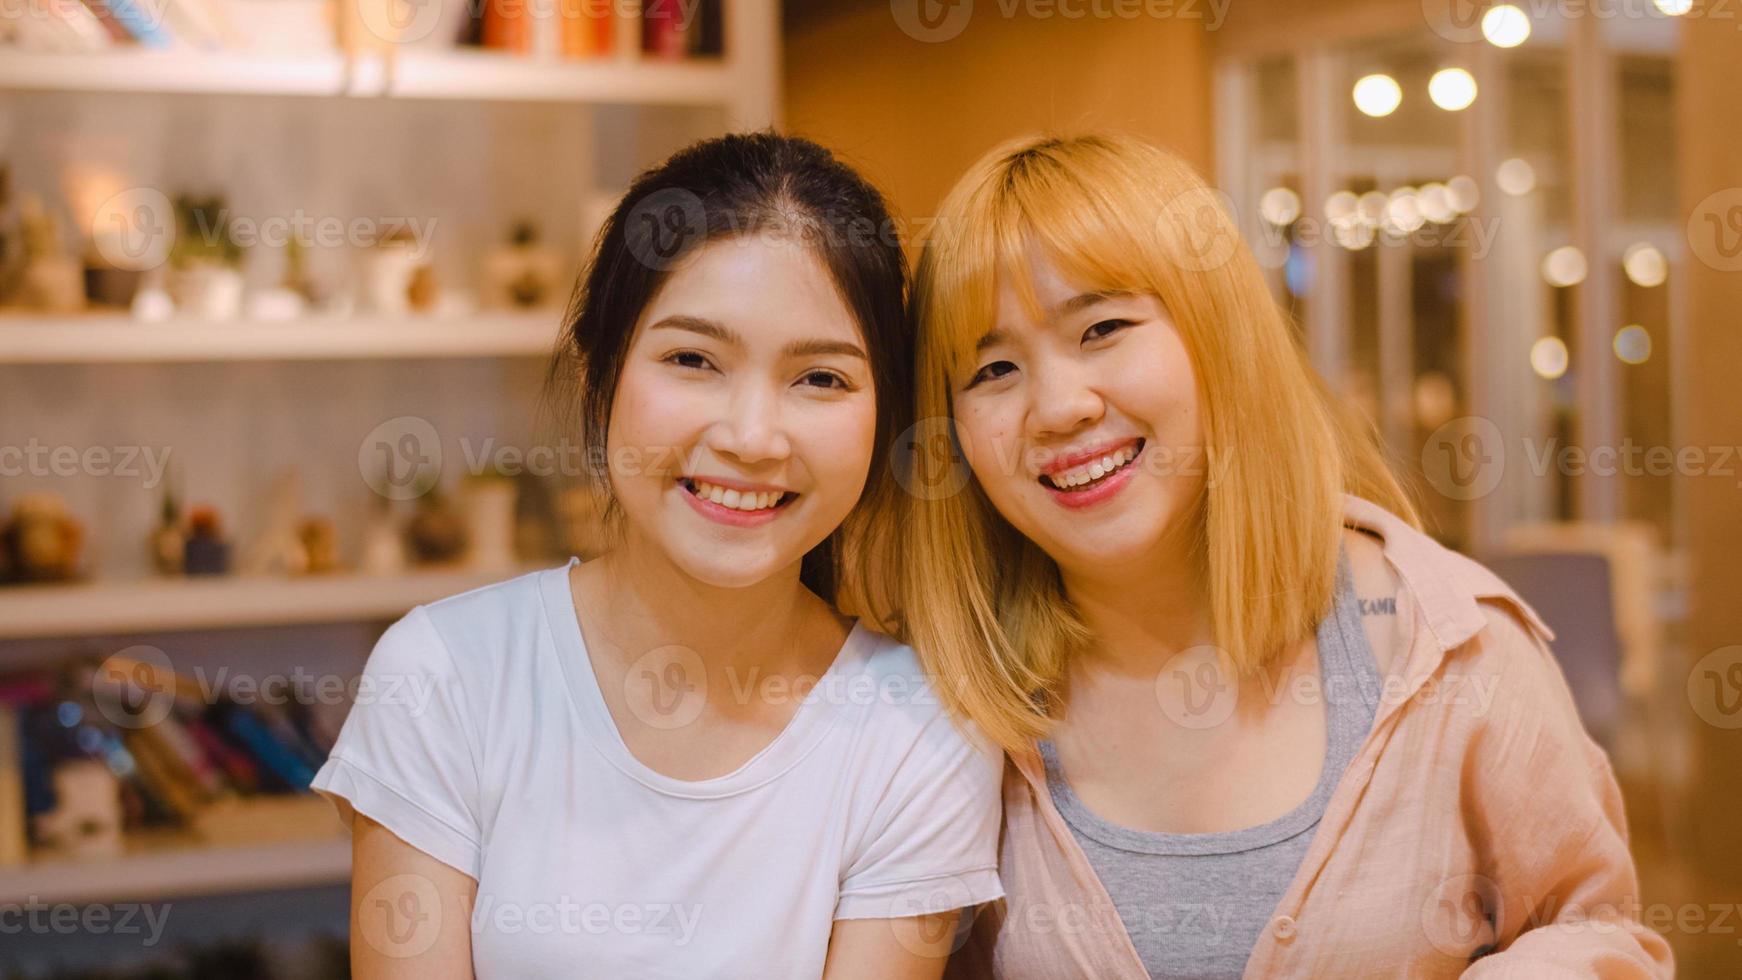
[[480, 736]]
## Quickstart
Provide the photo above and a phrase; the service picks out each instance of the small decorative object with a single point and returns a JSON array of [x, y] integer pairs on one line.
[[383, 546], [296, 275], [205, 261], [207, 553], [277, 549], [490, 521], [152, 304], [435, 533], [388, 271], [52, 281], [42, 539], [423, 292], [523, 274], [86, 819], [275, 303], [107, 285], [320, 542], [169, 541]]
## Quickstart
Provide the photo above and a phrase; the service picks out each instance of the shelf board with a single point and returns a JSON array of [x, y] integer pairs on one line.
[[117, 338], [218, 73], [175, 604], [191, 869], [471, 75], [488, 76]]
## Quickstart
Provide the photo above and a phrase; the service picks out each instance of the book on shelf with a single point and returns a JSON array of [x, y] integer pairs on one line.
[[213, 768]]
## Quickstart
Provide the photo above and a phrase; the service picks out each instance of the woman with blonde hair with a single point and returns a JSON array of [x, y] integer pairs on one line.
[[1257, 723]]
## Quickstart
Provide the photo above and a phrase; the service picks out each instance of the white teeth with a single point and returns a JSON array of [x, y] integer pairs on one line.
[[1090, 472], [737, 499]]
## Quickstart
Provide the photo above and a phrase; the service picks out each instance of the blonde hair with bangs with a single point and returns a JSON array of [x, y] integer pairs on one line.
[[985, 607]]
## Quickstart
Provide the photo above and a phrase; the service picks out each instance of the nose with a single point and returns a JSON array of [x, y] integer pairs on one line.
[[1062, 400], [753, 430]]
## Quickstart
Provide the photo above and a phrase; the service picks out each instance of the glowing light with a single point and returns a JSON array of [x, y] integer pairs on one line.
[[1515, 176], [1402, 211], [1548, 358], [1633, 344], [1565, 266], [1673, 8], [1644, 264], [1505, 26], [1463, 193], [1340, 208], [1452, 89], [1435, 203], [1377, 95], [1279, 206]]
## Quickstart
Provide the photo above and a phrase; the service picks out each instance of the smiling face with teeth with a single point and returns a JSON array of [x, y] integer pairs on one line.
[[1077, 415], [747, 394]]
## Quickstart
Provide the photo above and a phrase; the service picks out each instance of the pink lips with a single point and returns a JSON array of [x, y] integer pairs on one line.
[[1099, 492], [727, 515]]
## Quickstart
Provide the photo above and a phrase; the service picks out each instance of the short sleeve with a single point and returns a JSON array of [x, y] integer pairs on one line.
[[407, 754], [932, 845]]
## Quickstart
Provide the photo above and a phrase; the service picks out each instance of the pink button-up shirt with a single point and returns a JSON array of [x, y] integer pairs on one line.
[[1478, 830]]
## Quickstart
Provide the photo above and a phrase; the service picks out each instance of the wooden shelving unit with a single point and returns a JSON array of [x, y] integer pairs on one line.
[[176, 871], [117, 338], [152, 605]]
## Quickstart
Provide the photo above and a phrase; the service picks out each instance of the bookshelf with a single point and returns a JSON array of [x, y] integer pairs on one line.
[[456, 74], [120, 339], [163, 871], [474, 138], [158, 605]]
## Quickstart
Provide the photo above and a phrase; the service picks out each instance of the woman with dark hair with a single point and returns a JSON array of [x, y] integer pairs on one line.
[[684, 758]]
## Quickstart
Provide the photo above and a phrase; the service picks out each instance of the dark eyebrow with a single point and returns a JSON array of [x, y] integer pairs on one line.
[[726, 335], [816, 348], [696, 324]]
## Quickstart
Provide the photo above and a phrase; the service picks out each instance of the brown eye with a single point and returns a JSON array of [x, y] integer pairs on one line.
[[826, 379], [687, 359], [991, 372], [1105, 329]]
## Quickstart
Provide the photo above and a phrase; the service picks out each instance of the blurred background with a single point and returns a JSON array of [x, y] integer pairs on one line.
[[278, 280]]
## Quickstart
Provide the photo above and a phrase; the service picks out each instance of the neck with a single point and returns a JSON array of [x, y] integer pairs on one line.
[[638, 600], [1143, 615]]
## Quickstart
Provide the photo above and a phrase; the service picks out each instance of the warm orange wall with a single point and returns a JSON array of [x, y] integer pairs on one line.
[[1709, 74], [913, 115]]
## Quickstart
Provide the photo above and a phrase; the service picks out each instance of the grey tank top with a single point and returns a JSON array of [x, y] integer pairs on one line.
[[1195, 904]]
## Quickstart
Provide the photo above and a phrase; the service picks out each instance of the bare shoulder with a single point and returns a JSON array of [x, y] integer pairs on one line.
[[1378, 591]]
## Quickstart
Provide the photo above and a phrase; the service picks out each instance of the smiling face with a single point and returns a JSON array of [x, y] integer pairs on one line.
[[1082, 424], [744, 419]]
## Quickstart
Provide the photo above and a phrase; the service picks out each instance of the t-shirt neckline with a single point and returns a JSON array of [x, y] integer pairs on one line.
[[804, 731]]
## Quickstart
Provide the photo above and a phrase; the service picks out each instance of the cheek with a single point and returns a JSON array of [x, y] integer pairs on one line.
[[650, 410]]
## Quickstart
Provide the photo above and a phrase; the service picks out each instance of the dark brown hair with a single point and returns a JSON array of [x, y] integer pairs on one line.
[[749, 184]]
